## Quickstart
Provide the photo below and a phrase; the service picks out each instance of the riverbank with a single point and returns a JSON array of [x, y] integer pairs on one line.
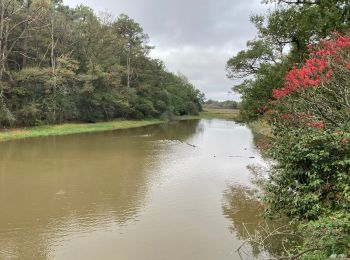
[[76, 128], [261, 127]]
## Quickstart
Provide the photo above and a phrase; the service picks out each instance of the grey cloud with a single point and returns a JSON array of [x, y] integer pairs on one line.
[[203, 66], [194, 37]]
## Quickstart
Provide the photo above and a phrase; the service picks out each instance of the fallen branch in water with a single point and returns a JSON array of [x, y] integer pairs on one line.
[[264, 236], [192, 145], [239, 156]]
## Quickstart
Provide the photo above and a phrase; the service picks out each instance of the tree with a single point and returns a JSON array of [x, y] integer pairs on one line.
[[16, 18], [134, 43], [283, 37], [63, 64]]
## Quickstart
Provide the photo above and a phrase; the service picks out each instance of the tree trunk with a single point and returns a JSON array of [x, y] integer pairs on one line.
[[128, 65], [53, 65]]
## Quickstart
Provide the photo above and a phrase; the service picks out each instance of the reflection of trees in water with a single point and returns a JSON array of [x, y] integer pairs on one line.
[[53, 187], [58, 186], [246, 212], [177, 130]]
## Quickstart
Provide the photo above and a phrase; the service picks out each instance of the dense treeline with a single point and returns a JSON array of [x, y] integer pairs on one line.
[[297, 77], [67, 64], [227, 104]]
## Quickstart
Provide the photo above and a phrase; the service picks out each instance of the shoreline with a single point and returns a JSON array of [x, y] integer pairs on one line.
[[73, 128], [261, 127], [118, 124]]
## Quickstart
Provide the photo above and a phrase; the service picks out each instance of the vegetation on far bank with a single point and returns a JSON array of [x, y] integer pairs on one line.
[[213, 113], [227, 104], [61, 64]]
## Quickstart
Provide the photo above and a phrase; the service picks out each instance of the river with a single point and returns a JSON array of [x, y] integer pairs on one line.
[[181, 190]]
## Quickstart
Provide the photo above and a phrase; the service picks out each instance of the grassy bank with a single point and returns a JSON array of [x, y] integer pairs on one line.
[[75, 128], [261, 127], [211, 113]]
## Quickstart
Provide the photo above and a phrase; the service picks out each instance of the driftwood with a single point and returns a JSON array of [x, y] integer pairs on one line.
[[192, 145]]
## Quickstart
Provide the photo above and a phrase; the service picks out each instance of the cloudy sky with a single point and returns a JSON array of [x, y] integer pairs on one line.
[[194, 37]]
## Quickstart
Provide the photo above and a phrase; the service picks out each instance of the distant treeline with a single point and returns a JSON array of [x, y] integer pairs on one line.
[[67, 64], [228, 104]]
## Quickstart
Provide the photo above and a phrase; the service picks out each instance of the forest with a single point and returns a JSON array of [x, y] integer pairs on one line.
[[295, 75], [61, 64]]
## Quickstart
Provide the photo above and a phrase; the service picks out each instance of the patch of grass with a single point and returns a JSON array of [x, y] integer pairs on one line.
[[212, 113], [73, 128], [261, 127]]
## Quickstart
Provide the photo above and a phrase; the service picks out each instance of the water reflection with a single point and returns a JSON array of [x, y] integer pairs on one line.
[[56, 186], [146, 193], [265, 238]]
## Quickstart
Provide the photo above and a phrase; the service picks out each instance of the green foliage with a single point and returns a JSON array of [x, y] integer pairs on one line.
[[329, 236], [6, 117], [312, 175], [80, 67], [228, 104], [283, 36], [256, 93], [310, 182], [247, 63]]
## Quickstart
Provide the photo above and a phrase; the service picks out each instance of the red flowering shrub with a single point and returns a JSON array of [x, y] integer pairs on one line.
[[318, 68], [317, 94], [311, 121]]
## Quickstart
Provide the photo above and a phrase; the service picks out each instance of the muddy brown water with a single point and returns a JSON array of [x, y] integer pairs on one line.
[[174, 191]]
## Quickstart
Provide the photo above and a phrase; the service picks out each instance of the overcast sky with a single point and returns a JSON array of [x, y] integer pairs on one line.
[[194, 37]]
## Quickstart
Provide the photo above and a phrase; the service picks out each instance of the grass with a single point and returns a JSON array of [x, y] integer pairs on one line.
[[212, 113], [261, 127], [75, 128]]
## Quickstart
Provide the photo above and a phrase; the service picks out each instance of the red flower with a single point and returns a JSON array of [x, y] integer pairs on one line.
[[279, 93], [329, 74], [317, 68], [317, 125], [343, 42], [339, 59], [344, 141], [287, 117]]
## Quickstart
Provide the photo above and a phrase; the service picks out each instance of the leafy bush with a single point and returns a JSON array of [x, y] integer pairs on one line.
[[328, 237], [311, 120], [312, 175]]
